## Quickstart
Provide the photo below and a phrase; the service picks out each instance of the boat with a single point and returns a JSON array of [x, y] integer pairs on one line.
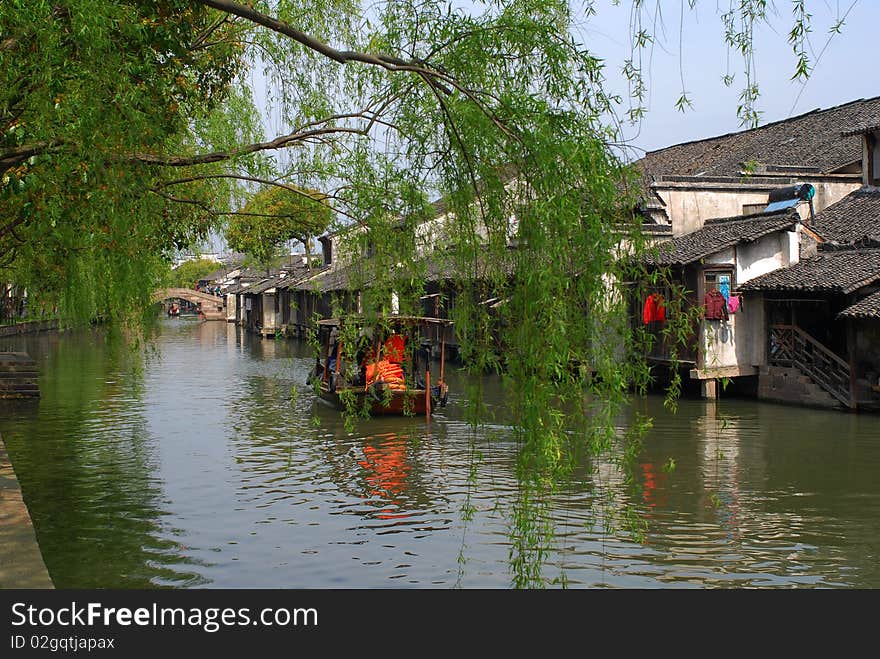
[[173, 311], [388, 369]]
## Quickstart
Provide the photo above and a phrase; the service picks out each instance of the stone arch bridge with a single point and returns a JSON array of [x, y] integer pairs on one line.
[[212, 306]]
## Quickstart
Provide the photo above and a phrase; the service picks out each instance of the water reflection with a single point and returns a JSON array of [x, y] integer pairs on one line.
[[208, 462], [86, 461], [385, 470]]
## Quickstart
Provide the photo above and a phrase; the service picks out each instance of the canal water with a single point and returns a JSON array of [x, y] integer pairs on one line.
[[203, 461]]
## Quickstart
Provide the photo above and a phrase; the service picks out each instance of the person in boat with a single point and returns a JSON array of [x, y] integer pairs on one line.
[[388, 370]]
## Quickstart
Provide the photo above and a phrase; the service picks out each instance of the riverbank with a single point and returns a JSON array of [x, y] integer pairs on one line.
[[28, 327], [21, 562]]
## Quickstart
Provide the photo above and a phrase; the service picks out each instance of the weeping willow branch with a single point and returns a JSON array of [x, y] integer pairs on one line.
[[388, 62], [318, 198], [341, 56], [221, 156], [450, 124]]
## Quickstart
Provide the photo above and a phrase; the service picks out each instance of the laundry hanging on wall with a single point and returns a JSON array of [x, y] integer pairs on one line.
[[724, 286], [734, 303], [715, 306], [654, 310]]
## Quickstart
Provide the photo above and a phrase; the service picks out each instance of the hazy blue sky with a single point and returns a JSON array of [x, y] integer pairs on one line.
[[846, 70]]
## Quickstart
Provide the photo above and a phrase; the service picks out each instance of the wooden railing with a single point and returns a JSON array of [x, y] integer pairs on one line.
[[791, 346]]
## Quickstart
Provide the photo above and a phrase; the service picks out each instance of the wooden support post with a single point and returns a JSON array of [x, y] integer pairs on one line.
[[326, 358], [851, 353], [428, 393], [442, 352]]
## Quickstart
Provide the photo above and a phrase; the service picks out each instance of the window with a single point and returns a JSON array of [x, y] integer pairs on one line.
[[749, 209], [722, 280]]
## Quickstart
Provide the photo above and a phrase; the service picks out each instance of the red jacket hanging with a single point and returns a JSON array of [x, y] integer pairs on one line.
[[715, 306], [655, 309]]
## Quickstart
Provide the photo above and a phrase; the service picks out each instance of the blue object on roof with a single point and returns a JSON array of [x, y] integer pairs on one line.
[[803, 191], [780, 205]]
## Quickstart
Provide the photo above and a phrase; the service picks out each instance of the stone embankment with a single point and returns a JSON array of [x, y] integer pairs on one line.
[[21, 562], [18, 376], [28, 327]]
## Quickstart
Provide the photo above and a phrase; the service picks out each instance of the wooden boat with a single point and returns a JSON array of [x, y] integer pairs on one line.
[[387, 372]]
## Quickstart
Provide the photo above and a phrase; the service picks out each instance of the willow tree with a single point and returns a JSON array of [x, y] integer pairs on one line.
[[130, 124], [90, 92], [273, 217]]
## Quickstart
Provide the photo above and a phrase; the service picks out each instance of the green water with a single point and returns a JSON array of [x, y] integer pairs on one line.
[[204, 461]]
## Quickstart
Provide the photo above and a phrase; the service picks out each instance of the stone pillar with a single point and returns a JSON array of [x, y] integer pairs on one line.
[[709, 389]]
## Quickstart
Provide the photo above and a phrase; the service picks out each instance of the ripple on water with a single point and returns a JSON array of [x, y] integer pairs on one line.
[[212, 466]]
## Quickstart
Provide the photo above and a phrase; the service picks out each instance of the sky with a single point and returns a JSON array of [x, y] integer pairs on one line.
[[692, 50]]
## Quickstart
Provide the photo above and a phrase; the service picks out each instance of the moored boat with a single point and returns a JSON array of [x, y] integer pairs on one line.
[[384, 369]]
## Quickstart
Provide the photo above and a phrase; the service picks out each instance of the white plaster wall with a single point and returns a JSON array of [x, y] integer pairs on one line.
[[830, 192], [719, 342], [762, 256], [231, 302], [738, 341], [688, 209], [345, 245], [724, 257], [269, 312], [432, 232]]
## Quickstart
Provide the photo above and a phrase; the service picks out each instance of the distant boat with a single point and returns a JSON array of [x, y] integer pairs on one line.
[[173, 311], [388, 372]]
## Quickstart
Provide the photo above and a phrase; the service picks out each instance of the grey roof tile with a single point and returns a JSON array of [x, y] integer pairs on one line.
[[838, 271], [261, 286], [719, 234], [853, 218], [868, 307], [811, 142]]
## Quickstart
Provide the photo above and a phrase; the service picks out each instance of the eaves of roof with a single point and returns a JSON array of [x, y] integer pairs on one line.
[[868, 307], [835, 271], [719, 234]]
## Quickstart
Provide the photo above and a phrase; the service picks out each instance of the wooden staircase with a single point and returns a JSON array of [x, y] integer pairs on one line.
[[792, 347]]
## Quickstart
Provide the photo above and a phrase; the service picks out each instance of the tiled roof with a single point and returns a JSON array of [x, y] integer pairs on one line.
[[839, 271], [261, 286], [860, 130], [655, 229], [853, 218], [293, 272], [437, 267], [298, 275], [243, 283], [217, 275], [868, 307], [334, 278], [720, 234], [235, 288], [812, 142]]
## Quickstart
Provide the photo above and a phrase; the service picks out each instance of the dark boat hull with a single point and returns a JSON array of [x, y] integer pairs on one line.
[[409, 402]]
